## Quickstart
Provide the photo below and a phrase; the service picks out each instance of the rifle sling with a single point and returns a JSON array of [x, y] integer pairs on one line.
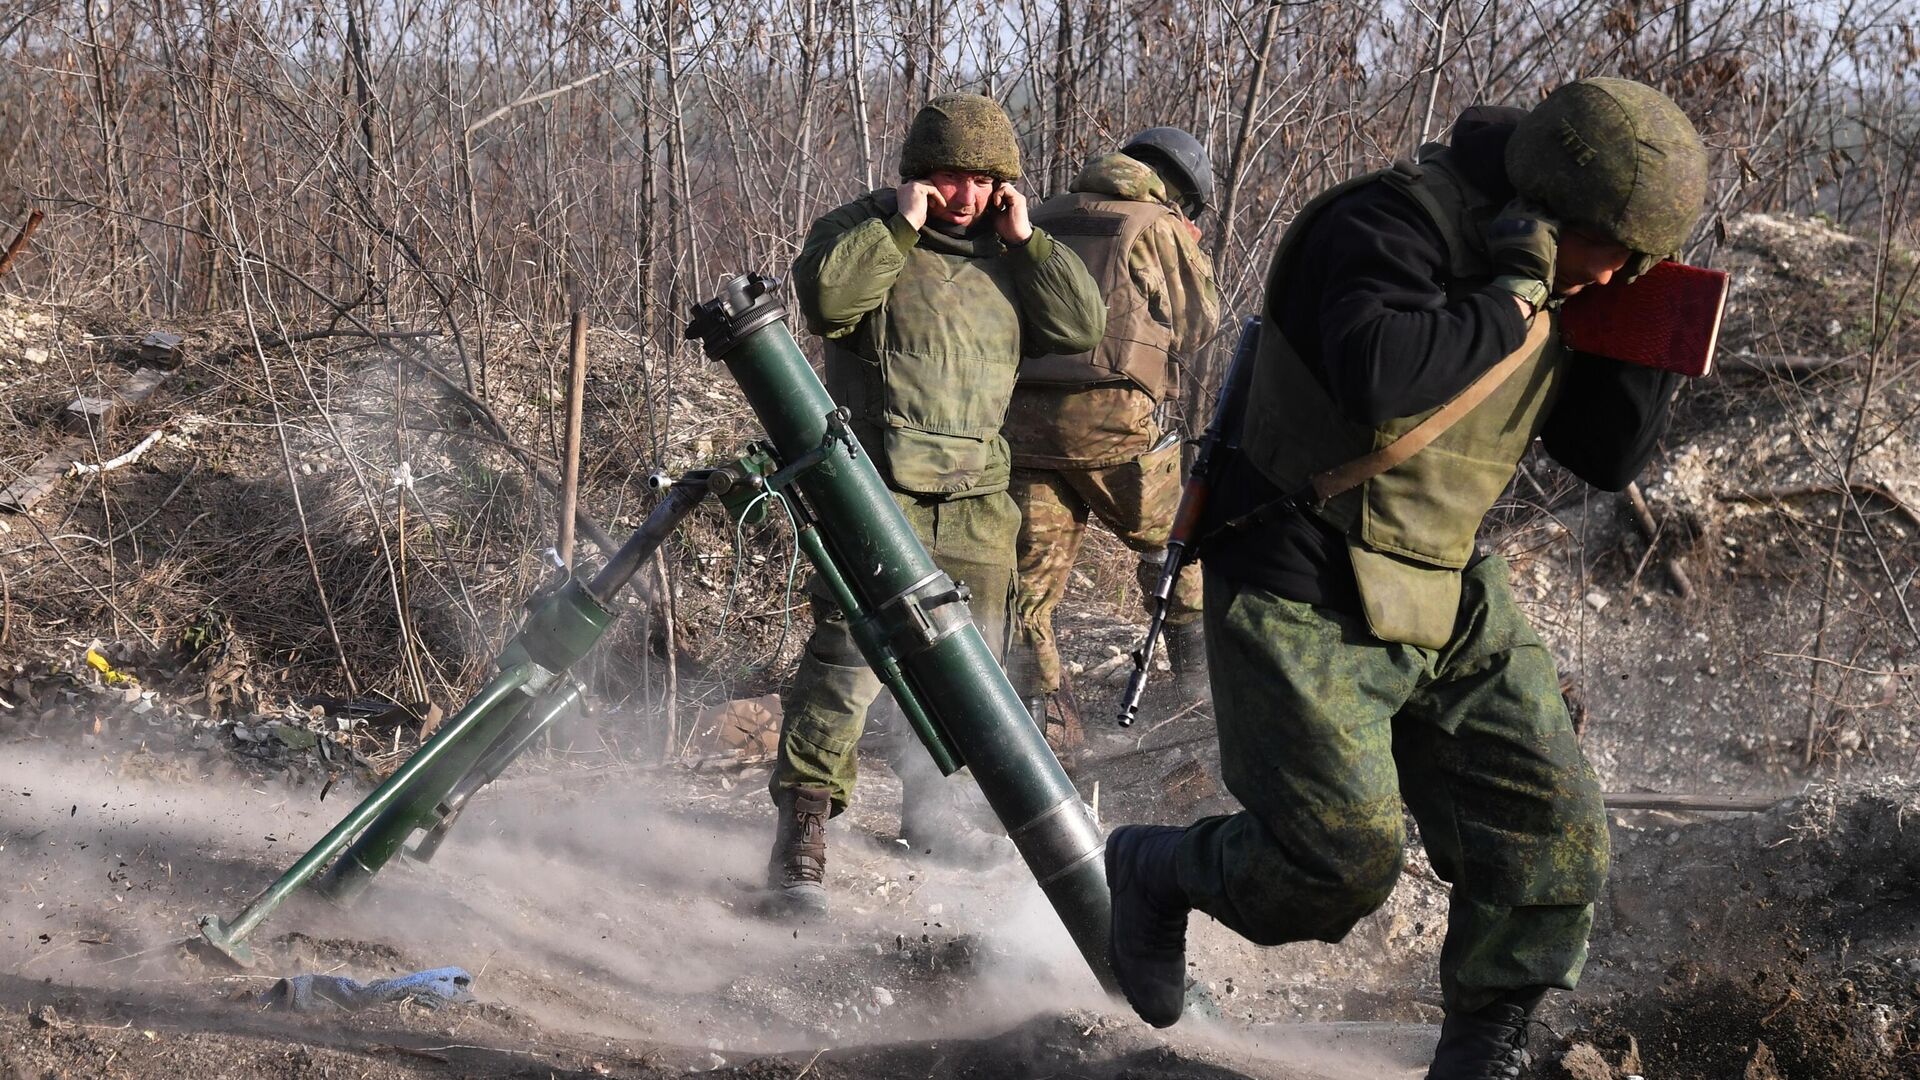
[[1323, 486]]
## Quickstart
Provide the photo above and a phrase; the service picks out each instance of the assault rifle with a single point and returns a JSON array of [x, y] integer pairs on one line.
[[1223, 432]]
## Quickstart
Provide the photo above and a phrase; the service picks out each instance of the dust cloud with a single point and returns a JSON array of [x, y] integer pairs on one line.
[[620, 910]]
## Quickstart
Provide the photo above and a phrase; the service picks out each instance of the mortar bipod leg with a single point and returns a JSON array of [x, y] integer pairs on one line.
[[534, 654], [559, 631], [353, 871], [230, 937], [524, 733]]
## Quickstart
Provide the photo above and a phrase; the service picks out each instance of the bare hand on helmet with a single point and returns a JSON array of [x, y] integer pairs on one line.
[[1524, 243], [914, 197]]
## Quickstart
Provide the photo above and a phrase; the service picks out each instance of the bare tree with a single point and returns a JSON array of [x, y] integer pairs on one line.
[[439, 182]]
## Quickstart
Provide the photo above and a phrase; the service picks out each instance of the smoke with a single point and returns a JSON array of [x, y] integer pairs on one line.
[[630, 909], [1326, 1051]]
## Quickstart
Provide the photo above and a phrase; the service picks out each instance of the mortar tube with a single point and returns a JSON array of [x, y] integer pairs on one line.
[[682, 496], [954, 676]]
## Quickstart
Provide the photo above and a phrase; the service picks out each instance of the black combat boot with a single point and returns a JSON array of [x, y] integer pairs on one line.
[[1489, 1043], [1148, 943], [1187, 655], [797, 869]]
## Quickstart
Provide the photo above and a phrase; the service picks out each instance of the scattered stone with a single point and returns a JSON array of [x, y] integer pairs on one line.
[[1631, 1062], [162, 348], [1583, 1061], [1763, 1066], [746, 728]]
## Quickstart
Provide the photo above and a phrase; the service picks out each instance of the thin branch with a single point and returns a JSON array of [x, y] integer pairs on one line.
[[548, 95]]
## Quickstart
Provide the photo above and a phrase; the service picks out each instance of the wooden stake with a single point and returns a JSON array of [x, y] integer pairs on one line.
[[671, 750], [570, 457], [20, 240], [1643, 516], [1718, 804]]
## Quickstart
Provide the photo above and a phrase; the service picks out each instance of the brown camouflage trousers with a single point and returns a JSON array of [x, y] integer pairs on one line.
[[1325, 730], [1136, 499]]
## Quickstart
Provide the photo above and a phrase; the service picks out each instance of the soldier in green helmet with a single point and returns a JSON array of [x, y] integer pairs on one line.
[[927, 295], [1363, 654], [1085, 429]]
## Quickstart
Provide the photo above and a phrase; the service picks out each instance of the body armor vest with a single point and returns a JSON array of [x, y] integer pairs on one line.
[[1409, 530], [1102, 229], [927, 376]]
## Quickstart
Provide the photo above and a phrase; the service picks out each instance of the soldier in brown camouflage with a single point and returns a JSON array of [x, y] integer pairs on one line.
[[1084, 430]]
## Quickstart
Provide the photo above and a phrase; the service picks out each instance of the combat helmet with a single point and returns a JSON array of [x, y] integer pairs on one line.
[[1615, 156], [1180, 160], [965, 132]]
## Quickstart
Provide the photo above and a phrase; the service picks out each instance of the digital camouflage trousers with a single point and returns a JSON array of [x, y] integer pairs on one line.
[[825, 709], [1326, 730], [1136, 499]]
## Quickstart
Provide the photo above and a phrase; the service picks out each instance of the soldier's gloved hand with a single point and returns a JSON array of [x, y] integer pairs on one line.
[[1524, 242]]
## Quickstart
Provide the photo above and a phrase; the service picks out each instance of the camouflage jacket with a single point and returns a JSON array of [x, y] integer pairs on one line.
[[924, 332]]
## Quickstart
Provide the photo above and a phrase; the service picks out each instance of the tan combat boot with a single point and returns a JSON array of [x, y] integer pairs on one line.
[[797, 868]]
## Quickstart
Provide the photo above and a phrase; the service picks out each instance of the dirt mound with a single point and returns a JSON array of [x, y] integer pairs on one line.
[[1840, 858], [1800, 288], [1783, 941], [1768, 1027]]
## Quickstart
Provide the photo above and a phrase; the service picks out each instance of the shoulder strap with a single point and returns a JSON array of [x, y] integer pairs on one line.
[[1444, 196], [1323, 486], [1342, 478]]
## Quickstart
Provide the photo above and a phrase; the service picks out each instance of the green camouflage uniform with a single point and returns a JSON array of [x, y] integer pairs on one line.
[[1094, 450], [1325, 729], [1436, 692], [924, 332]]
